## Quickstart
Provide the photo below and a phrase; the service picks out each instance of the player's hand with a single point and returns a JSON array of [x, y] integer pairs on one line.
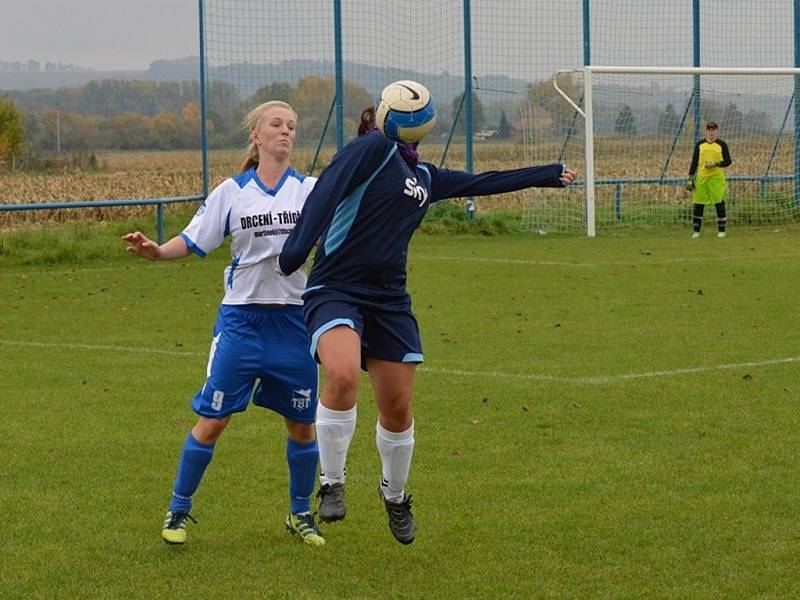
[[690, 184], [568, 176], [710, 164], [142, 245]]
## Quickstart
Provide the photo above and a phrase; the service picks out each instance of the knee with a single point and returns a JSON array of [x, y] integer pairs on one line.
[[302, 433], [396, 422], [396, 413], [208, 430], [341, 380]]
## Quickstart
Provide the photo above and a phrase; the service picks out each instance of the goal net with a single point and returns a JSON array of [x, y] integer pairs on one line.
[[631, 132]]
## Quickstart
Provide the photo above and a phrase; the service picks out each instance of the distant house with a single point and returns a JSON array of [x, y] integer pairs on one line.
[[485, 134]]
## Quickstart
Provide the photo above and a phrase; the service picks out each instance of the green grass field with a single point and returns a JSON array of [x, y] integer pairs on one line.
[[596, 418]]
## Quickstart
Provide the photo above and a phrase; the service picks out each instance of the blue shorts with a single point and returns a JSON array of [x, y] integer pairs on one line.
[[259, 353], [388, 330]]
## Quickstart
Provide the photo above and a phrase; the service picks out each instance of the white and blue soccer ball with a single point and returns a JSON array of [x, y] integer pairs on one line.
[[406, 112]]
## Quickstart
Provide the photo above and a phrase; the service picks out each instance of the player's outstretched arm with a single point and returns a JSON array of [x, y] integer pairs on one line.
[[140, 244], [454, 184]]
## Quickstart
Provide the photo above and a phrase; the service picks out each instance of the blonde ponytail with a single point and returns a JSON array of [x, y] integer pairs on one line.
[[250, 124]]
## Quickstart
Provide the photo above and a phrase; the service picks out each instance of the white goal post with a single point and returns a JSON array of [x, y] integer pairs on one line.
[[588, 110]]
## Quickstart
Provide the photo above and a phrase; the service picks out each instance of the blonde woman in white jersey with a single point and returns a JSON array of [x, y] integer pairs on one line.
[[259, 335]]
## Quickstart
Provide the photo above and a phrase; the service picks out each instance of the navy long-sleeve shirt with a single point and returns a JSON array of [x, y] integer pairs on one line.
[[366, 205]]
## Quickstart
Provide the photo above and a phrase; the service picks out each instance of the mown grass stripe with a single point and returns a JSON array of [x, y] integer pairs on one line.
[[587, 380]]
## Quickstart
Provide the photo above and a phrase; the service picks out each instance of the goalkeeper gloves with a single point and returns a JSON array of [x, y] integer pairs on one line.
[[711, 164], [690, 184]]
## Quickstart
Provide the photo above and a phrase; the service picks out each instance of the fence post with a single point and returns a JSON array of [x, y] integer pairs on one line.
[[468, 100], [160, 221], [696, 63], [203, 99], [587, 34], [339, 81], [796, 33]]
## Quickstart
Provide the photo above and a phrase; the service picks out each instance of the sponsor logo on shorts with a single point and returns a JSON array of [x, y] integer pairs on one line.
[[301, 399]]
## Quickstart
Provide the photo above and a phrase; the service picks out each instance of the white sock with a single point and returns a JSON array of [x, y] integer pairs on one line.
[[396, 450], [334, 431]]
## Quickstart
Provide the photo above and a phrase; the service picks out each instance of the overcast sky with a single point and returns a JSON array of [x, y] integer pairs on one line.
[[537, 35], [101, 34]]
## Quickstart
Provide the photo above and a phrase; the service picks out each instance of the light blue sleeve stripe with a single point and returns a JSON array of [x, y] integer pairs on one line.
[[430, 182], [346, 211], [327, 327], [413, 357], [192, 246]]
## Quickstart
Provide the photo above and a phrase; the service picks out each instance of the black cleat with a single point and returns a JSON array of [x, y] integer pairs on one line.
[[401, 521], [331, 502]]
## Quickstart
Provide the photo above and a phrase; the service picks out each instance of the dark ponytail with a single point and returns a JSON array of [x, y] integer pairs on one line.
[[367, 120]]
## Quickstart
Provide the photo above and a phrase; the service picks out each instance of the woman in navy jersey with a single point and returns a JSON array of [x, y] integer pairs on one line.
[[259, 340], [362, 212]]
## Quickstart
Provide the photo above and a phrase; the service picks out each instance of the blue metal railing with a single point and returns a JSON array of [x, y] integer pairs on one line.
[[762, 180], [158, 202]]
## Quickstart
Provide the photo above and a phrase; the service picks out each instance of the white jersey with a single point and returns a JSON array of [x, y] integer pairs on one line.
[[259, 220]]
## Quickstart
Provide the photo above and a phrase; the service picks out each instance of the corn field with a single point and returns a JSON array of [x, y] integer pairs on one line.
[[143, 175]]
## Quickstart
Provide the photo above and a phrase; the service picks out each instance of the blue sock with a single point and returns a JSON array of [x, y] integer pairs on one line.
[[302, 459], [194, 460]]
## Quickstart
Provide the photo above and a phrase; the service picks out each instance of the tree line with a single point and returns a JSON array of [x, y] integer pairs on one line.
[[144, 115]]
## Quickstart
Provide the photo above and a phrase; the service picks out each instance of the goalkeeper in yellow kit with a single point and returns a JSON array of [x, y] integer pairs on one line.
[[707, 180]]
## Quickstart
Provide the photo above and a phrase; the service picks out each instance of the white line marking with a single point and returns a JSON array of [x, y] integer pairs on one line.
[[644, 261], [101, 348], [591, 380], [511, 261], [602, 379], [21, 273]]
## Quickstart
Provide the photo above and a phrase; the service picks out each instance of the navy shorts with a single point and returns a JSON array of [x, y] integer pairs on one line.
[[388, 330], [259, 353]]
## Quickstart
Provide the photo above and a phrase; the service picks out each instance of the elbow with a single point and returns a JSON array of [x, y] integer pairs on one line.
[[282, 264], [288, 263]]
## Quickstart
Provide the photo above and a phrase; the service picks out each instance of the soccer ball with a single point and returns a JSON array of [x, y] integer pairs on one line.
[[406, 112]]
